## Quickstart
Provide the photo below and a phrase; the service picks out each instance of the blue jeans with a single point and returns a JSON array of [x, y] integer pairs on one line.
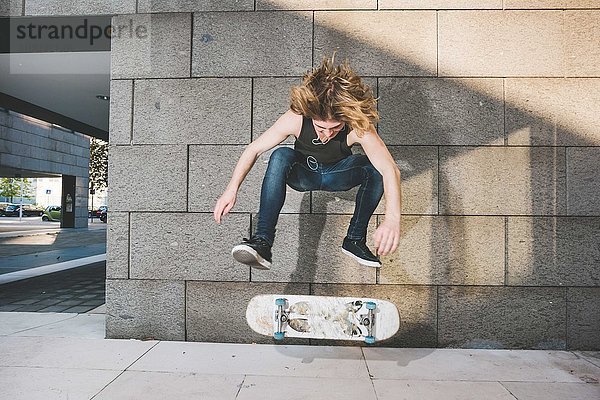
[[288, 166]]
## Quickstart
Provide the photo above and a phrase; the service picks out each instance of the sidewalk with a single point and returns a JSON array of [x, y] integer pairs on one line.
[[64, 356]]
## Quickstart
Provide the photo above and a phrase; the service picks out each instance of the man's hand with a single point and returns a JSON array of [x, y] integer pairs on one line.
[[224, 204], [386, 237]]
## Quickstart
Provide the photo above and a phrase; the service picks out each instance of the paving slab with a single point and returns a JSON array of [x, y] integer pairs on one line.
[[419, 390], [75, 290], [11, 323], [98, 310], [26, 383], [295, 388], [88, 326], [479, 365], [270, 360], [48, 352], [590, 356], [553, 391], [160, 386]]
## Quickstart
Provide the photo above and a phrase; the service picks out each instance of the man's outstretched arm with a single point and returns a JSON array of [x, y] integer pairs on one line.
[[387, 235]]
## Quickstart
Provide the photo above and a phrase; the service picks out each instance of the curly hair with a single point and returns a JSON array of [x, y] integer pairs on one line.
[[331, 92]]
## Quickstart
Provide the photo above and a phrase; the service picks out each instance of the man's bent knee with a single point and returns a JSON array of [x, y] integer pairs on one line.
[[282, 156]]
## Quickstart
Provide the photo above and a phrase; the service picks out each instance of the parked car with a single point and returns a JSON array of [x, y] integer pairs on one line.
[[28, 210], [3, 206], [104, 215], [52, 213], [33, 210], [8, 209], [96, 213]]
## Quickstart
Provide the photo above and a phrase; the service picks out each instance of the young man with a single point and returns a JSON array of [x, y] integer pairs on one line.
[[330, 112]]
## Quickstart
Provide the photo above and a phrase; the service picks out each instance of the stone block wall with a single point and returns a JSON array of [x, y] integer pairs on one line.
[[490, 108], [31, 148]]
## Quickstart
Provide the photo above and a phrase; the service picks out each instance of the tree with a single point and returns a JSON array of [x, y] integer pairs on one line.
[[11, 188], [98, 164]]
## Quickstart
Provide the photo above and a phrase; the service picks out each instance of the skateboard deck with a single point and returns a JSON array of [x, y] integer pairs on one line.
[[323, 317]]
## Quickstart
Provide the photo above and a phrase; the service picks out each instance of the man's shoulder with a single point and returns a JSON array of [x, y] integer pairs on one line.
[[292, 121], [354, 137]]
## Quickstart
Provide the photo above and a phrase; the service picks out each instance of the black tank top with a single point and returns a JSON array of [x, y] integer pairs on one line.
[[308, 144]]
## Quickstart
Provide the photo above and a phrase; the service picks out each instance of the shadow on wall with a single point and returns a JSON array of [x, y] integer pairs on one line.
[[498, 162]]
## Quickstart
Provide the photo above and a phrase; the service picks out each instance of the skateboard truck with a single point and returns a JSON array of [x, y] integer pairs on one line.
[[282, 317], [369, 322]]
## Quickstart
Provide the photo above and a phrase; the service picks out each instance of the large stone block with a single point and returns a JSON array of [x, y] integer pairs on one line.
[[12, 161], [216, 311], [121, 111], [540, 4], [23, 150], [307, 248], [428, 111], [251, 44], [161, 6], [58, 134], [315, 4], [502, 317], [271, 100], [370, 41], [552, 112], [583, 181], [79, 7], [5, 145], [500, 43], [440, 4], [133, 188], [447, 251], [22, 123], [544, 251], [11, 8], [9, 134], [186, 246], [502, 181], [417, 307], [151, 46], [419, 185], [584, 319], [145, 309], [211, 168], [117, 246], [192, 111], [582, 28]]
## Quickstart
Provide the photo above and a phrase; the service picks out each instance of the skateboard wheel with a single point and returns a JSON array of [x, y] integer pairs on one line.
[[279, 335], [369, 339], [371, 305], [280, 302]]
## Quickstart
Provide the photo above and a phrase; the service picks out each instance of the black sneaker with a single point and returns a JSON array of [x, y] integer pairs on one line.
[[255, 252], [358, 250]]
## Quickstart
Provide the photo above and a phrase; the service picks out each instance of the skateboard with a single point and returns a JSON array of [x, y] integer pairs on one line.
[[323, 317]]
